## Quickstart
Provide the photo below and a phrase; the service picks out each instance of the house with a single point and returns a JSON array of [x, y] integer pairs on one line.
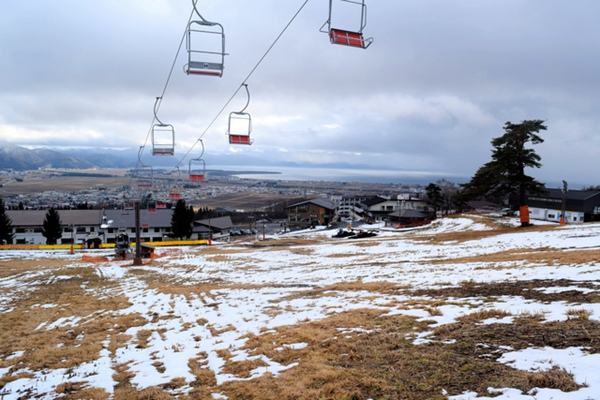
[[407, 217], [78, 225], [212, 227], [581, 205], [312, 212]]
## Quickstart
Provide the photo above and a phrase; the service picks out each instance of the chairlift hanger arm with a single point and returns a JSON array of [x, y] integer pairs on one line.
[[245, 85], [202, 19], [156, 105]]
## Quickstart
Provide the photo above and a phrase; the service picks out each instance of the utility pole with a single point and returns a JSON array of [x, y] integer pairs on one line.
[[563, 215], [137, 261]]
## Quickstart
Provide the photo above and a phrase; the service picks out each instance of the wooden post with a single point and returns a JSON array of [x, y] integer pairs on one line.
[[138, 245]]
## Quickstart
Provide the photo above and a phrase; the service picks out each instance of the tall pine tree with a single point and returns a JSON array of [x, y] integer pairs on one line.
[[434, 197], [504, 176], [6, 235], [182, 220], [52, 229]]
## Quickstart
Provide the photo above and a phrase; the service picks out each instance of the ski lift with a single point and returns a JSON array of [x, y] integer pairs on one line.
[[213, 61], [163, 135], [352, 38], [240, 124], [143, 174], [197, 167]]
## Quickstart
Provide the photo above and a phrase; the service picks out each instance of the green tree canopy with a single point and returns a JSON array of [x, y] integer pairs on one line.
[[6, 235], [51, 228], [182, 221], [504, 176]]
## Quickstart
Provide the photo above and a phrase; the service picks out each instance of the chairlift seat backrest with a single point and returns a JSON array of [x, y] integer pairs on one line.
[[202, 61], [163, 140]]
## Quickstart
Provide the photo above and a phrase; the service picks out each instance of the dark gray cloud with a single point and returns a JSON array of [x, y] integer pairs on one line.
[[438, 83]]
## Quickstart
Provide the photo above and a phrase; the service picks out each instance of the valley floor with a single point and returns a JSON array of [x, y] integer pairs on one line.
[[467, 308]]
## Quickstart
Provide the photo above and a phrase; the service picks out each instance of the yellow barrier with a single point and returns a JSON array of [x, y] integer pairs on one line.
[[102, 246]]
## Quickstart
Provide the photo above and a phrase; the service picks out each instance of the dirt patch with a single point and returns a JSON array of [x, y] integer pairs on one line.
[[526, 289], [525, 331]]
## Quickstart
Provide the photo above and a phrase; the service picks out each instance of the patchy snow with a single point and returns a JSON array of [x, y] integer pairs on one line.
[[582, 365], [562, 289], [264, 289]]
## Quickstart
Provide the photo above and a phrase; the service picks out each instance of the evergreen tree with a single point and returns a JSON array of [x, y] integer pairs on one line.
[[182, 220], [6, 235], [504, 176], [434, 197], [52, 229]]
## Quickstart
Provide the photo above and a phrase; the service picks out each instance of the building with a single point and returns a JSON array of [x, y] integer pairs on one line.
[[356, 207], [409, 201], [155, 225], [310, 213], [581, 205], [78, 225]]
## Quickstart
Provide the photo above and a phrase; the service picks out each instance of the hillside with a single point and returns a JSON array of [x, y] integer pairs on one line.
[[467, 308], [20, 158]]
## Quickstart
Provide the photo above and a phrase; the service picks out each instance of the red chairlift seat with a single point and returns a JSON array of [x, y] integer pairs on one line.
[[197, 177], [240, 139], [347, 38]]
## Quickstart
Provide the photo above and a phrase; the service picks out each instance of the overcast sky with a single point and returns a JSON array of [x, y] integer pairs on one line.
[[435, 87]]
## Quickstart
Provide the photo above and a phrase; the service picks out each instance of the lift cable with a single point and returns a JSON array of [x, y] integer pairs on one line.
[[165, 87], [244, 82]]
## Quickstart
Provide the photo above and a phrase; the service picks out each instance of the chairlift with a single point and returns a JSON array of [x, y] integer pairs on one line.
[[175, 192], [204, 62], [240, 124], [163, 135], [345, 37], [197, 167]]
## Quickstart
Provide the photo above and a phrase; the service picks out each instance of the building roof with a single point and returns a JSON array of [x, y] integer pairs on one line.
[[67, 217], [320, 202], [220, 223], [571, 194], [408, 213], [160, 218]]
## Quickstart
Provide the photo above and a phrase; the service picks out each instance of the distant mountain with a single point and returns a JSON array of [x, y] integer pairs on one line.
[[21, 158]]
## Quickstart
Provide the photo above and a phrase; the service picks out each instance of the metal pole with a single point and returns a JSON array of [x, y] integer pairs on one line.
[[138, 245]]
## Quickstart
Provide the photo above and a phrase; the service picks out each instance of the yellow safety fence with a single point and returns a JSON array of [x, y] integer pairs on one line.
[[169, 243]]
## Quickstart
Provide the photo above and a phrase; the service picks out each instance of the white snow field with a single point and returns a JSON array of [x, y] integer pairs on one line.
[[216, 297]]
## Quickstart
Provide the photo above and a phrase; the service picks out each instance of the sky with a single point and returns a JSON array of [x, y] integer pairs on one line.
[[438, 83]]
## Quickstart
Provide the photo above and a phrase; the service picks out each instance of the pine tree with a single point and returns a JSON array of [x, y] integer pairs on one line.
[[434, 197], [6, 235], [52, 229], [504, 176], [182, 220]]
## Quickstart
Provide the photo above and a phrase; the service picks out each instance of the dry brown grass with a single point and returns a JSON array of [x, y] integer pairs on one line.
[[64, 346], [464, 236], [530, 256], [379, 364]]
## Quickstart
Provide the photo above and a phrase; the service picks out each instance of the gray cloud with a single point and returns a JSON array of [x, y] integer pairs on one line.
[[437, 85]]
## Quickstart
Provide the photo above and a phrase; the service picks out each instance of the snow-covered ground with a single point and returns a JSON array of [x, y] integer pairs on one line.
[[262, 288]]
